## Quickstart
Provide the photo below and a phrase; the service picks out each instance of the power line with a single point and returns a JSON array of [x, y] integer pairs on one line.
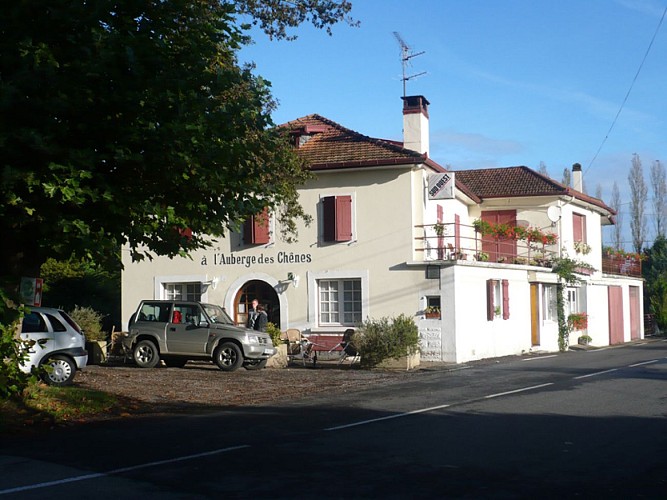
[[629, 90]]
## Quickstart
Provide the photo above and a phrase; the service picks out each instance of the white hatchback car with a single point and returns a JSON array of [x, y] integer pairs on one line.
[[54, 340]]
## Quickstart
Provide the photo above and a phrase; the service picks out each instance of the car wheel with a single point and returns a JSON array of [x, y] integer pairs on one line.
[[60, 371], [228, 357], [175, 362], [256, 364], [146, 354]]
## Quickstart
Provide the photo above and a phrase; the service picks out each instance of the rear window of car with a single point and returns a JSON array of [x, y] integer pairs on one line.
[[56, 323], [154, 311], [70, 321]]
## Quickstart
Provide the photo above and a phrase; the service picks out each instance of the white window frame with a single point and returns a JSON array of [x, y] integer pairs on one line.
[[314, 278], [161, 282], [549, 299]]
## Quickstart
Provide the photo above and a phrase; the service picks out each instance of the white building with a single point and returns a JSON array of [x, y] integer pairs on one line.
[[379, 246]]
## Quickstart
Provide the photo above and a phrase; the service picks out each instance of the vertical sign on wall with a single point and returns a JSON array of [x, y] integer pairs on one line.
[[31, 291]]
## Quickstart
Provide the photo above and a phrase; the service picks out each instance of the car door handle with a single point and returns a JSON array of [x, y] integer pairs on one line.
[[173, 329]]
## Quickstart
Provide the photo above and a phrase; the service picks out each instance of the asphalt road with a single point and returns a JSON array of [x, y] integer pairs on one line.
[[575, 425]]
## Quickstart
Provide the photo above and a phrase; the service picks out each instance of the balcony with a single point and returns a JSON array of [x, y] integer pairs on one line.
[[622, 264], [463, 242]]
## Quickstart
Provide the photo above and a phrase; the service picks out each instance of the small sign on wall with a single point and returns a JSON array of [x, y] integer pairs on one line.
[[441, 186]]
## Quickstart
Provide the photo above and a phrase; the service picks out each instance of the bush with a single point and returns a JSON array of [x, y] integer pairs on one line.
[[377, 340], [90, 322], [12, 351], [274, 333]]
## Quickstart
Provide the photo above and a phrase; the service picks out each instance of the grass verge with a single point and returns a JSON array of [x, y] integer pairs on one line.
[[46, 406]]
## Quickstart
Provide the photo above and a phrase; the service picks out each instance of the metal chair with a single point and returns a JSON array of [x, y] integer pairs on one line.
[[347, 347]]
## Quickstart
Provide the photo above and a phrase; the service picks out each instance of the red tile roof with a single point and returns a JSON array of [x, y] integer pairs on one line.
[[327, 145], [509, 182]]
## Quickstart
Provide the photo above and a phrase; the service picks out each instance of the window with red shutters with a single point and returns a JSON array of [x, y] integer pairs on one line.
[[579, 227], [497, 299], [256, 230], [337, 218]]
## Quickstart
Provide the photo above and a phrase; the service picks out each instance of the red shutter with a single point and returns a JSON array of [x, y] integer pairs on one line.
[[506, 299], [329, 218], [261, 228], [343, 218], [579, 227], [490, 308], [256, 229]]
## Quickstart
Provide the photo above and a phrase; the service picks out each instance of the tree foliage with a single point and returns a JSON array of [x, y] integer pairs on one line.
[[654, 272], [127, 122], [276, 16], [616, 203], [638, 194], [659, 191]]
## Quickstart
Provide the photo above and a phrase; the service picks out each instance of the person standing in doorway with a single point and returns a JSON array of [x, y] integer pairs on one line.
[[252, 315], [261, 319]]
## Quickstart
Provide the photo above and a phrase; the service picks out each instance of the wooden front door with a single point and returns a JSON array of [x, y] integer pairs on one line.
[[264, 293], [615, 300], [534, 314]]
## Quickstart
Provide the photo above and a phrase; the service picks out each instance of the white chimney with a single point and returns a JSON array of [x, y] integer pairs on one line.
[[577, 178], [415, 124]]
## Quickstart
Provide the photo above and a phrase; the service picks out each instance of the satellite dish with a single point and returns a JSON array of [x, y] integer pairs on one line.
[[553, 212]]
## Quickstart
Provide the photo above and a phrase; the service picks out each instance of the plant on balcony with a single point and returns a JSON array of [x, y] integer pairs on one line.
[[482, 256], [617, 253], [577, 321], [506, 231], [582, 247], [439, 228]]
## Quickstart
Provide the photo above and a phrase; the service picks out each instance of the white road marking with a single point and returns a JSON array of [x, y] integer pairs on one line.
[[120, 471], [644, 363], [540, 357], [518, 390], [388, 417], [596, 373]]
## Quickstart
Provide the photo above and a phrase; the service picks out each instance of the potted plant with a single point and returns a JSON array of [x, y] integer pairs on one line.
[[90, 322], [439, 228], [482, 256], [582, 248], [432, 312], [585, 339], [577, 321]]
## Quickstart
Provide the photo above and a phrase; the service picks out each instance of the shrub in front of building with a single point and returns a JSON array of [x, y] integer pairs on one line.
[[386, 338], [90, 322]]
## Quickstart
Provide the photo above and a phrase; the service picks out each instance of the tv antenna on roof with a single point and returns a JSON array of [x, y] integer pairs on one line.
[[406, 55]]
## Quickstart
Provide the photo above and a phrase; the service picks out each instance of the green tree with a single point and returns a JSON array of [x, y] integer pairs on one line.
[[654, 271], [130, 122], [127, 122], [638, 195]]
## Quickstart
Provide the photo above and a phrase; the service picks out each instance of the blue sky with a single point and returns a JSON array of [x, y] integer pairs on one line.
[[510, 82]]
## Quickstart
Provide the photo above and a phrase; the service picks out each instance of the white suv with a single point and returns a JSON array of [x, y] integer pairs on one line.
[[53, 339]]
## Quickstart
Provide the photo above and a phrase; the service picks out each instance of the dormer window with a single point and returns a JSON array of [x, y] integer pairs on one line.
[[303, 134]]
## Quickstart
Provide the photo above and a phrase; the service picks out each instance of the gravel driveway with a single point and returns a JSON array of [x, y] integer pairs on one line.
[[201, 387]]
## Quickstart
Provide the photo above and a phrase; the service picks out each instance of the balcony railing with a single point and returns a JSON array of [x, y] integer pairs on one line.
[[468, 245], [618, 264], [444, 247]]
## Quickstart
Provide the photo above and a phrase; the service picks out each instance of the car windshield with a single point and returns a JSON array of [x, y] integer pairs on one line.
[[217, 314]]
